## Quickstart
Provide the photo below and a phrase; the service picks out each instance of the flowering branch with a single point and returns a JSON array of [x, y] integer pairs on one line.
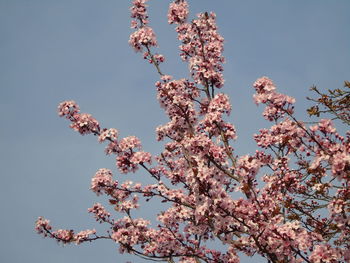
[[297, 211]]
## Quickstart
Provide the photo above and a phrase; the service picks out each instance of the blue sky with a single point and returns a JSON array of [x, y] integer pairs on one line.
[[52, 51]]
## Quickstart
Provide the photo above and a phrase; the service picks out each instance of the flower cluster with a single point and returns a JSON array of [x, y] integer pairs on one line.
[[101, 180], [129, 142], [100, 213], [145, 36], [154, 59], [286, 133], [139, 12], [141, 157], [202, 47], [130, 232], [213, 122], [68, 109], [325, 253], [277, 104], [64, 235], [176, 97], [43, 227], [81, 122], [178, 12], [127, 149], [108, 134], [83, 235]]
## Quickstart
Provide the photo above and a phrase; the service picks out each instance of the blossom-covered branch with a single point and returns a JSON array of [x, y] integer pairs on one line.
[[287, 202]]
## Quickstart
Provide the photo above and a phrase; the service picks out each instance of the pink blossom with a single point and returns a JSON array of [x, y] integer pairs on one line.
[[138, 11], [178, 12], [85, 124], [111, 134], [129, 142], [141, 157], [144, 36], [101, 180], [326, 126], [83, 235], [340, 161], [202, 50], [126, 205], [159, 58], [130, 232], [112, 147], [63, 235], [68, 109], [277, 104], [42, 225], [220, 103], [124, 163], [133, 24], [166, 78], [100, 213], [325, 254], [286, 133], [264, 85]]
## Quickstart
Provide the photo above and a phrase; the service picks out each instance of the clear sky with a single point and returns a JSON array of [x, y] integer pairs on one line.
[[52, 51]]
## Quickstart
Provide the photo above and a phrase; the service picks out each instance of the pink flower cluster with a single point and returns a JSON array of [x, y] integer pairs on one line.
[[203, 146], [178, 12], [84, 235], [124, 163], [202, 47], [101, 180], [155, 59], [139, 12], [64, 235], [213, 122], [220, 103], [176, 97], [330, 147], [68, 109], [285, 133], [141, 157], [128, 158], [144, 36], [43, 227], [297, 211], [129, 142], [108, 134], [325, 254], [81, 122], [130, 232], [100, 213], [277, 104]]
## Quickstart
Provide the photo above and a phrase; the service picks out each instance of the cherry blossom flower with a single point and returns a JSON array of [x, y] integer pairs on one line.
[[68, 109], [129, 142], [42, 225], [102, 179], [141, 157], [178, 12], [111, 134], [100, 213], [83, 235], [144, 36]]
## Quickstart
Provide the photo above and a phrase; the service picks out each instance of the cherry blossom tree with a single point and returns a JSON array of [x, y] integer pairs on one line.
[[288, 201]]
